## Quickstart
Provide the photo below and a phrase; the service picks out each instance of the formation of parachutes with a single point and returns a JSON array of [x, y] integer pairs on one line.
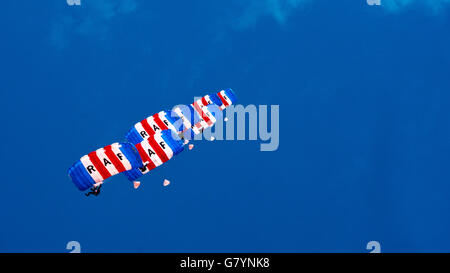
[[150, 142]]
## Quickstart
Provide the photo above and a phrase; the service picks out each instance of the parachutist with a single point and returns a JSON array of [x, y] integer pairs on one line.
[[94, 190]]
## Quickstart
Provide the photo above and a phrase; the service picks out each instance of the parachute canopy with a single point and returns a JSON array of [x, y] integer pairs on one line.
[[152, 125], [226, 97], [155, 151], [196, 116], [104, 163]]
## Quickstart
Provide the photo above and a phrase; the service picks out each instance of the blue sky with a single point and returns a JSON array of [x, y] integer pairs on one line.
[[364, 125]]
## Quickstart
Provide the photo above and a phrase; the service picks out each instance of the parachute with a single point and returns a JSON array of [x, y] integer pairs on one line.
[[150, 142], [155, 151], [103, 163], [152, 125], [227, 97], [198, 116], [194, 119], [156, 147]]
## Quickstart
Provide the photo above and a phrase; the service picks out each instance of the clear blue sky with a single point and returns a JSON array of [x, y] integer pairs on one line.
[[364, 95]]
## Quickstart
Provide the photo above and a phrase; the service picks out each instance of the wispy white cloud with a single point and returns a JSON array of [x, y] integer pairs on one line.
[[94, 18], [254, 10], [91, 18], [107, 9], [396, 5]]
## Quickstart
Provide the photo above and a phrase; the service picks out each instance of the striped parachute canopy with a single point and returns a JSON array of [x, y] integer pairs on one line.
[[194, 118], [155, 151], [152, 125], [227, 97], [223, 98], [181, 120], [201, 115], [104, 163], [160, 147]]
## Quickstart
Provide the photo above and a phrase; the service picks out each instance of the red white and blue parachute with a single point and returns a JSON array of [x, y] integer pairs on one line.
[[152, 125], [150, 142], [155, 151], [103, 163]]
